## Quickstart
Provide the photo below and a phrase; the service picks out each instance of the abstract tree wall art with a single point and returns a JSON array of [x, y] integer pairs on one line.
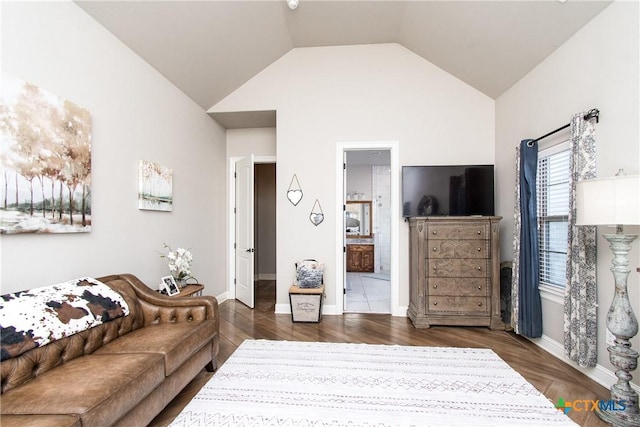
[[155, 190], [45, 161]]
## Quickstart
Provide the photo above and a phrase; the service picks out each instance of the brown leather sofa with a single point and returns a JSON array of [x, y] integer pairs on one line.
[[123, 372]]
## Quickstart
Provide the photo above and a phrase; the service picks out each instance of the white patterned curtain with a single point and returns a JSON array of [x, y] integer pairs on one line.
[[580, 290], [515, 270]]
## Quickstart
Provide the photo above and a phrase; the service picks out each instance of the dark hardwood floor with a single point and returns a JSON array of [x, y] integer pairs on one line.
[[551, 376]]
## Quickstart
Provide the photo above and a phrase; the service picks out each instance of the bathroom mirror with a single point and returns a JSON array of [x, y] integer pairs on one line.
[[358, 219]]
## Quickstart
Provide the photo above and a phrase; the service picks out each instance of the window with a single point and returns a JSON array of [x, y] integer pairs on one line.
[[553, 213]]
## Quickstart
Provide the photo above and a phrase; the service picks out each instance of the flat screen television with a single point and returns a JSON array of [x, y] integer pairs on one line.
[[460, 190]]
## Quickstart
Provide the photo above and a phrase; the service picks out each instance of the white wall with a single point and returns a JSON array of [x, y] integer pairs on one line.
[[328, 95], [137, 115], [359, 180], [596, 68], [260, 142]]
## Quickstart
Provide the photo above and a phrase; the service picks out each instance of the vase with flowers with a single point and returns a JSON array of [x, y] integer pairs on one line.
[[180, 262]]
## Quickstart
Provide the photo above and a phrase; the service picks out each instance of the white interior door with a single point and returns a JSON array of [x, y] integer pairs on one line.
[[245, 251], [344, 229]]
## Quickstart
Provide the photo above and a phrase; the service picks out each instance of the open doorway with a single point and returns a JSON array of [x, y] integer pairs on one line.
[[254, 221], [367, 234], [265, 236]]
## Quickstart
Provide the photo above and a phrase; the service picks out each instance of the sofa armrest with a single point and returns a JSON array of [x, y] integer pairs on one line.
[[158, 308]]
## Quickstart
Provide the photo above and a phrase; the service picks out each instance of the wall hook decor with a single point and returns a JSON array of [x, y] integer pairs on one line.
[[294, 193], [316, 216]]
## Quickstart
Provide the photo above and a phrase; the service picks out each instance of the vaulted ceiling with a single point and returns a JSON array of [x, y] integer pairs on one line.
[[210, 48]]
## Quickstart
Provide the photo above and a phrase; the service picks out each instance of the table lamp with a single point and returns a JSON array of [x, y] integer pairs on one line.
[[615, 201]]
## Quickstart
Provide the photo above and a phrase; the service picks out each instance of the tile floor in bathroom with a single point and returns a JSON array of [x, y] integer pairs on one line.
[[368, 293]]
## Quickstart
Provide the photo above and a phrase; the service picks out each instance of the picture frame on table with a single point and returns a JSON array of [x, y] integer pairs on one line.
[[170, 286]]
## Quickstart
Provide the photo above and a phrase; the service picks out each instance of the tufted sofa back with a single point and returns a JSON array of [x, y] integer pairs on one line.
[[28, 365]]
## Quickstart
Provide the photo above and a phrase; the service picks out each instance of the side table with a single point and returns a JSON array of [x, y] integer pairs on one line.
[[192, 290], [306, 304]]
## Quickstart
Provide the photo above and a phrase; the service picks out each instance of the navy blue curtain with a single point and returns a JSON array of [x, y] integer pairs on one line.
[[530, 310]]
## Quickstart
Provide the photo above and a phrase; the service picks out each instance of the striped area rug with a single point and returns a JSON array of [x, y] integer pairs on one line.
[[312, 384]]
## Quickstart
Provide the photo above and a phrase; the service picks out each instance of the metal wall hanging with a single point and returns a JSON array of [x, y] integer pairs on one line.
[[316, 215], [294, 193]]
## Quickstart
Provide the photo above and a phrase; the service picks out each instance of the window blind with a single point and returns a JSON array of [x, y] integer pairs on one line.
[[553, 182]]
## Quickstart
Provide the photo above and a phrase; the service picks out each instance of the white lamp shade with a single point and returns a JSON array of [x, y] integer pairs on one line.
[[608, 201]]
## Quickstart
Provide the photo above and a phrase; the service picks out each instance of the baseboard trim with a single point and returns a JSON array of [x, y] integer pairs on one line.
[[400, 311], [331, 310], [599, 373], [283, 309], [223, 297]]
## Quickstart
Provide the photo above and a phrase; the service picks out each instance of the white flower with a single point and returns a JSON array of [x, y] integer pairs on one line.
[[179, 262]]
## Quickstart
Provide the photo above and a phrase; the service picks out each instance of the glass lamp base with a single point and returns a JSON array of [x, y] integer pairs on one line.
[[620, 419]]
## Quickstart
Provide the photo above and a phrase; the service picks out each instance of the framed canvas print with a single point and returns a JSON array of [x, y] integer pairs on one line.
[[45, 161], [155, 187], [170, 285]]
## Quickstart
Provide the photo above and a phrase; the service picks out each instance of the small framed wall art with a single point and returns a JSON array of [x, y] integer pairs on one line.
[[155, 187]]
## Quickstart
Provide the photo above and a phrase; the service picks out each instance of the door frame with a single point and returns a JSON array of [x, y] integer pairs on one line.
[[394, 148], [231, 223]]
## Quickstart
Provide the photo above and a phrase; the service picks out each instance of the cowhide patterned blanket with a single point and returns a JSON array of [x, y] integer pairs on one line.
[[36, 317]]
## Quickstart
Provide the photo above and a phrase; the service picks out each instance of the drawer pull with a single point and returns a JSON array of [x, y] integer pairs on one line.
[[479, 268], [435, 231], [479, 232], [479, 304], [435, 249], [435, 286], [435, 268], [479, 249], [435, 303], [479, 287]]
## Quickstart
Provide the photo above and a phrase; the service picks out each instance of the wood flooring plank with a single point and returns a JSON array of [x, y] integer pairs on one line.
[[554, 378]]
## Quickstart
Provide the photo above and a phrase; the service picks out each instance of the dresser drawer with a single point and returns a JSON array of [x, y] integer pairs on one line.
[[468, 267], [457, 231], [456, 304], [458, 248], [468, 287]]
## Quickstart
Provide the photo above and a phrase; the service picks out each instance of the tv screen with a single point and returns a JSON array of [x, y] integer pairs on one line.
[[447, 190]]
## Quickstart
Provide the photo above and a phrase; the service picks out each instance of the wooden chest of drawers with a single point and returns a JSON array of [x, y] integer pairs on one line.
[[455, 277]]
